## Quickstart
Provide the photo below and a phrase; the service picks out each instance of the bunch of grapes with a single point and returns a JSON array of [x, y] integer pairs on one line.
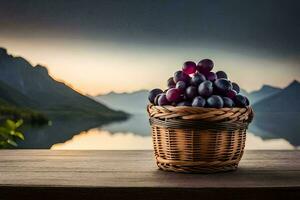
[[197, 86]]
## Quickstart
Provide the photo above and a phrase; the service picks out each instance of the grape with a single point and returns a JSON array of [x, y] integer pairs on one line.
[[240, 100], [228, 103], [197, 79], [247, 101], [205, 89], [174, 95], [181, 76], [198, 102], [156, 99], [215, 101], [223, 86], [189, 67], [181, 85], [171, 83], [221, 74], [236, 87], [184, 103], [153, 93], [211, 76], [231, 94], [205, 65], [162, 100], [191, 92]]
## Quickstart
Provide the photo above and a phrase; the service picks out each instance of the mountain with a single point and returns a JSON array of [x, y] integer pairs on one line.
[[287, 100], [40, 91], [279, 114], [264, 92], [11, 96], [135, 102]]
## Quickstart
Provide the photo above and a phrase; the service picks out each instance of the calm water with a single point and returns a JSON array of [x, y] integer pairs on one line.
[[133, 134]]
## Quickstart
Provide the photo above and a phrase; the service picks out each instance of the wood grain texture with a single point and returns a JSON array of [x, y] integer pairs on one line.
[[30, 174]]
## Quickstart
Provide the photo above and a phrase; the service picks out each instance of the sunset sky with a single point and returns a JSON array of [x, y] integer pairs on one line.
[[104, 46]]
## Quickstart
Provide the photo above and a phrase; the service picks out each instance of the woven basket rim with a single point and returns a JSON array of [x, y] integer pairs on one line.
[[197, 113]]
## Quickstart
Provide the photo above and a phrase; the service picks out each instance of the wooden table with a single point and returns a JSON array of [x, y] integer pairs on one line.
[[46, 174]]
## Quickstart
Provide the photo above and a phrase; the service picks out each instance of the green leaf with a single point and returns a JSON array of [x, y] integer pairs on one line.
[[10, 124], [11, 142], [19, 123], [19, 135]]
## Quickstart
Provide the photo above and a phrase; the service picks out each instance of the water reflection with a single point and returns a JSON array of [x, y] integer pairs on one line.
[[135, 134], [103, 140]]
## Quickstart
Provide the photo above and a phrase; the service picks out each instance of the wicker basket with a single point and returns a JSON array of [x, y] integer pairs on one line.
[[199, 140]]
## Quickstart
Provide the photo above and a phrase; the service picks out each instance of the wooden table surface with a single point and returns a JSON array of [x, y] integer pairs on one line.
[[46, 174]]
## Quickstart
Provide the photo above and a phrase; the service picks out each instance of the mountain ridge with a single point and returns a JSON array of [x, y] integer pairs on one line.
[[50, 95]]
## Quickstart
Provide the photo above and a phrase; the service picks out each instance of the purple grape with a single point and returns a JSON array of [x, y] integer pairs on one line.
[[247, 101], [228, 103], [236, 87], [205, 89], [191, 92], [174, 95], [181, 76], [171, 83], [197, 79], [184, 103], [162, 100], [231, 94], [215, 101], [156, 99], [240, 101], [181, 85], [198, 102], [205, 65], [221, 74], [153, 93], [189, 67], [222, 86], [211, 76]]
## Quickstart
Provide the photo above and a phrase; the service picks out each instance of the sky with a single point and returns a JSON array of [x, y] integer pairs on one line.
[[122, 46]]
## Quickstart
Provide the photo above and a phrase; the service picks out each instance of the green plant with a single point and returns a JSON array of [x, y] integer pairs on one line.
[[9, 133]]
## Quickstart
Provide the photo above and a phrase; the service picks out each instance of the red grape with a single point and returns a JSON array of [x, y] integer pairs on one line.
[[189, 67], [231, 94], [162, 100], [174, 95], [205, 65]]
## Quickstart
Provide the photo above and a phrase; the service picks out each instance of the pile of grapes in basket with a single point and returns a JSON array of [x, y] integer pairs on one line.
[[198, 86]]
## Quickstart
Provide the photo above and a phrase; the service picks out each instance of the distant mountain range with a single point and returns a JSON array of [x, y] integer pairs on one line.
[[137, 101], [26, 86], [134, 102]]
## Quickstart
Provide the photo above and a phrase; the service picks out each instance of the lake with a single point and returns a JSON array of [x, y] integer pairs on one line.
[[132, 134]]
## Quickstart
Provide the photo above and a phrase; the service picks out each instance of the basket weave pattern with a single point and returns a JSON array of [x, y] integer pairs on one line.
[[204, 140]]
